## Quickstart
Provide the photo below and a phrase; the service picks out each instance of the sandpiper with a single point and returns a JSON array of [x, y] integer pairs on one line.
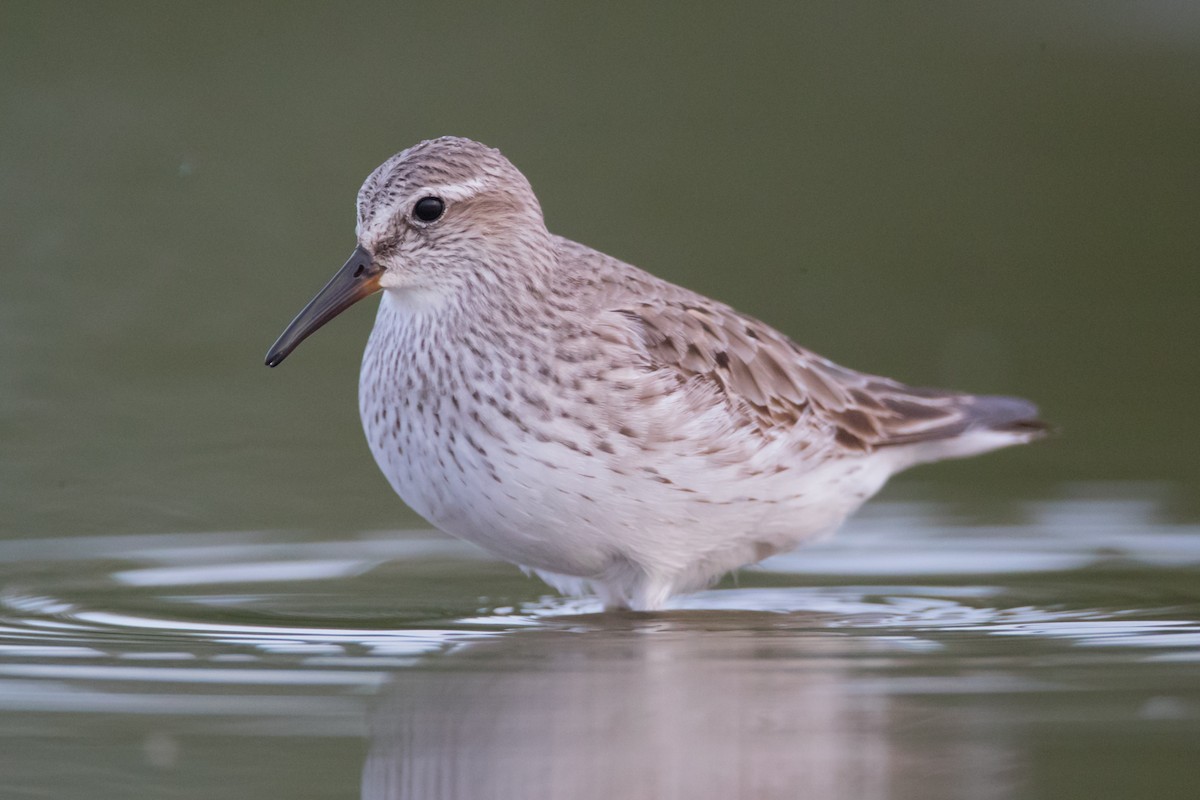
[[610, 431]]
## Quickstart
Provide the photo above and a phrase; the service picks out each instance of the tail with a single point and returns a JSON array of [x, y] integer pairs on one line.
[[1012, 415], [975, 424]]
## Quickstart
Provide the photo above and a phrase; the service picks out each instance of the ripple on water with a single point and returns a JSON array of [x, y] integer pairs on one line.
[[285, 612]]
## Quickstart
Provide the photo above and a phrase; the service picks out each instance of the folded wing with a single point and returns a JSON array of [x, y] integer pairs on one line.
[[780, 388]]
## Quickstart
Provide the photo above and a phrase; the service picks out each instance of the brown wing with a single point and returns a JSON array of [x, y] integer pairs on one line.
[[778, 386]]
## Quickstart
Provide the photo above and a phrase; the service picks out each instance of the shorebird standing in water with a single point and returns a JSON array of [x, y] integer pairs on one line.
[[606, 429]]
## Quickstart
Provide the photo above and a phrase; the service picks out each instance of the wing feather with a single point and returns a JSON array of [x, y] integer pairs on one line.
[[782, 389]]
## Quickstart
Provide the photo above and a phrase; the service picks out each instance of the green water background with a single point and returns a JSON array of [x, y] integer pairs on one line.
[[996, 197], [1002, 198]]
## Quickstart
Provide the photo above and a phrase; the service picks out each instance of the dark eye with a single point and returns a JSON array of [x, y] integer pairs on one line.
[[428, 209]]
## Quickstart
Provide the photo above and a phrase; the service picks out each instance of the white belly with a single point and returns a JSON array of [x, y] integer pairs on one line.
[[558, 511], [518, 472]]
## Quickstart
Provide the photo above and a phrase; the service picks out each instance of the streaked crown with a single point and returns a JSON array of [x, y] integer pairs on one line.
[[454, 169]]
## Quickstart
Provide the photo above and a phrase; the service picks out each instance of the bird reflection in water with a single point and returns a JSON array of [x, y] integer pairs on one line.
[[681, 705]]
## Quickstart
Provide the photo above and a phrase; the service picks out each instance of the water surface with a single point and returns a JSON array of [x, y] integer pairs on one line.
[[916, 655], [207, 589]]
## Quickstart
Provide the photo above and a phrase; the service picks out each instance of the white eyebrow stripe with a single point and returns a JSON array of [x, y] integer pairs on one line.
[[381, 219], [463, 190]]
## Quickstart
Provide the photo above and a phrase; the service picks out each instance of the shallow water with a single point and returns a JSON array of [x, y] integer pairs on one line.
[[200, 591], [917, 654]]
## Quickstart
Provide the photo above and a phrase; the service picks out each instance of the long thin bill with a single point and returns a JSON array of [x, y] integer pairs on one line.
[[358, 278]]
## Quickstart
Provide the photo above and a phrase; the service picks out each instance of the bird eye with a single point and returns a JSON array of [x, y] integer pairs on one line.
[[429, 209]]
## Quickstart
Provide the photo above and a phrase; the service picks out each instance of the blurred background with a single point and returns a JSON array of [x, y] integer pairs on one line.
[[996, 198], [207, 588]]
